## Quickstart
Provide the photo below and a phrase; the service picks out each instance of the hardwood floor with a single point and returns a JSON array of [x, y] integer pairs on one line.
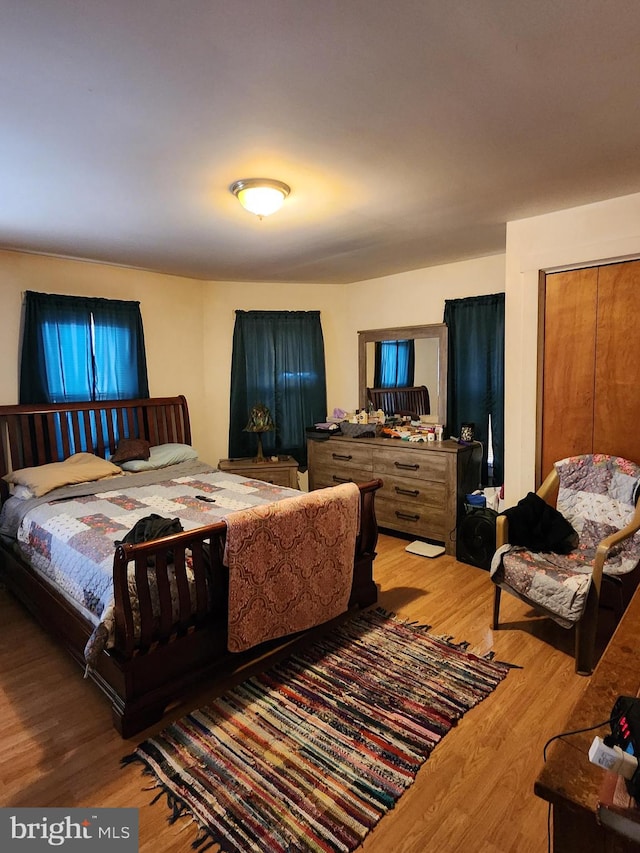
[[475, 793]]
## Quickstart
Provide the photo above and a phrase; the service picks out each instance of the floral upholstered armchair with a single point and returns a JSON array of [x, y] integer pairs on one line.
[[595, 523]]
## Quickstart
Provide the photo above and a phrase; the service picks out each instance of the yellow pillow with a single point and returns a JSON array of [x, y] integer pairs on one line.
[[79, 468]]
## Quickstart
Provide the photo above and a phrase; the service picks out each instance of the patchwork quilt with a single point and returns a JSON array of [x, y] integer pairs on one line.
[[70, 534], [597, 495]]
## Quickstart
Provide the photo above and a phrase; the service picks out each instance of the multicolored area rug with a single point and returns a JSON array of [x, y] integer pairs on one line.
[[312, 753]]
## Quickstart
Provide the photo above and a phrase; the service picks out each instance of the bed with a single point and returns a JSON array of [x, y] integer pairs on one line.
[[169, 625], [412, 401]]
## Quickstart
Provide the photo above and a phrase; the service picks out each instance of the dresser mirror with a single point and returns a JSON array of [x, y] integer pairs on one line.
[[430, 343]]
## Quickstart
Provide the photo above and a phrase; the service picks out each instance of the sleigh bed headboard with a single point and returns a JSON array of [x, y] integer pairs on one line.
[[37, 434], [413, 399]]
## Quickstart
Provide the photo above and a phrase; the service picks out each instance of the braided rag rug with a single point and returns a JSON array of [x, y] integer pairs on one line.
[[309, 755]]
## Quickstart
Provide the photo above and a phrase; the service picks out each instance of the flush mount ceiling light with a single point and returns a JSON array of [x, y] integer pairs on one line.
[[261, 196]]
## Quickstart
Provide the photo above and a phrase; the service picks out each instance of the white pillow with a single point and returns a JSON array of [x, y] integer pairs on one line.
[[23, 493], [160, 456]]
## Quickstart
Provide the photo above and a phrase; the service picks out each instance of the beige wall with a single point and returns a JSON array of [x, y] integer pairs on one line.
[[222, 299], [577, 237], [408, 299], [405, 299], [188, 328], [189, 324], [171, 312]]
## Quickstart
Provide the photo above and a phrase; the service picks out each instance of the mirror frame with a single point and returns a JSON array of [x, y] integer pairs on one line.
[[435, 330]]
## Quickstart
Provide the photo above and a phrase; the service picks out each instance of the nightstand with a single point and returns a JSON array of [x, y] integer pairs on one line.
[[284, 472]]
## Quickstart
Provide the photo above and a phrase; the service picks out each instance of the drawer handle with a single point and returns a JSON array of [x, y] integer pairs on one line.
[[342, 458], [412, 493], [406, 466], [407, 517], [337, 479]]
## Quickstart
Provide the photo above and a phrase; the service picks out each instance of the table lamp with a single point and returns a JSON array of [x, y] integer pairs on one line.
[[260, 421]]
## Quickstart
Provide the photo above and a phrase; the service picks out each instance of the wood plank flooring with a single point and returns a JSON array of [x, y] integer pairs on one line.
[[475, 793]]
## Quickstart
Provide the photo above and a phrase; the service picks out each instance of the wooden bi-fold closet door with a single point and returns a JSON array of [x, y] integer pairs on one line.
[[591, 363]]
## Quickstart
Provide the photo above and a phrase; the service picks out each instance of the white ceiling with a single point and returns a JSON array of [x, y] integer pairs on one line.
[[410, 131]]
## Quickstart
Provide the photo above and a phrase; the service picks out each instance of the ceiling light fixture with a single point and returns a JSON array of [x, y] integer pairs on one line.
[[261, 196]]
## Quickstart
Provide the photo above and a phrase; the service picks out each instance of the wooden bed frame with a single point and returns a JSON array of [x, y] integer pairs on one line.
[[411, 400], [144, 672]]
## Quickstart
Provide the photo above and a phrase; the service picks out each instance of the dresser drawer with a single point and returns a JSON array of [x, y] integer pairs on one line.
[[334, 475], [407, 490], [414, 518], [336, 455], [405, 462], [281, 472], [275, 476]]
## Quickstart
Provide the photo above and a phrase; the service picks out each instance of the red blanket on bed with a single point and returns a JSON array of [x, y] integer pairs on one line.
[[290, 564]]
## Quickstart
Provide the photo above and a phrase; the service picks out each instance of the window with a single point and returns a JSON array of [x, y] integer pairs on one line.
[[278, 360], [395, 364], [76, 349]]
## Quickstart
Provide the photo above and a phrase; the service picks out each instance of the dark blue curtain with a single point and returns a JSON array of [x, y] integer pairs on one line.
[[278, 360], [81, 348], [475, 377], [120, 363], [394, 364]]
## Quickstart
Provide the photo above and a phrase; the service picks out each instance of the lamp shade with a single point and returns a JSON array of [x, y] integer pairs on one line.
[[261, 196], [260, 419]]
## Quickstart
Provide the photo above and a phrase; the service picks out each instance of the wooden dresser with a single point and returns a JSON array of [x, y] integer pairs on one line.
[[424, 484]]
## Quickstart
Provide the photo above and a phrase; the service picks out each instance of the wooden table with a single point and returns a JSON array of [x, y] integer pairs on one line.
[[568, 780], [281, 472]]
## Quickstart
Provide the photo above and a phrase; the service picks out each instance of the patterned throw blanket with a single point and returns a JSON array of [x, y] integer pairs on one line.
[[290, 564], [70, 534], [597, 496]]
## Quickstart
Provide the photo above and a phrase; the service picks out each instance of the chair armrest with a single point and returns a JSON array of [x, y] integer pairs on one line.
[[548, 486], [502, 531], [602, 551]]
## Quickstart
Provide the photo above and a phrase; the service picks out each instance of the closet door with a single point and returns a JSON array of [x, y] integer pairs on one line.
[[590, 394], [616, 423], [570, 312]]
